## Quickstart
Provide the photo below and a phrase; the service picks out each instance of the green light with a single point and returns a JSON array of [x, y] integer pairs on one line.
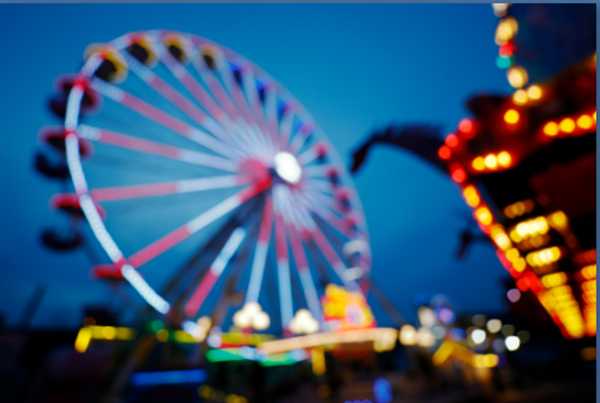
[[235, 355], [155, 325], [218, 355], [277, 362], [504, 62]]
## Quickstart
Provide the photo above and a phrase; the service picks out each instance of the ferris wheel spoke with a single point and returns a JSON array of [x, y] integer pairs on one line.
[[332, 257], [304, 217], [213, 85], [260, 135], [318, 171], [247, 137], [325, 201], [293, 211], [339, 200], [168, 92], [283, 270], [236, 118], [299, 215], [285, 127], [236, 101], [298, 130], [301, 137], [159, 116], [318, 185], [271, 108], [191, 227], [308, 285], [270, 117], [249, 83], [254, 138], [241, 103], [237, 98], [264, 141], [151, 147], [198, 296], [310, 225], [310, 155], [334, 222], [260, 252], [115, 193], [192, 85], [326, 215], [224, 127]]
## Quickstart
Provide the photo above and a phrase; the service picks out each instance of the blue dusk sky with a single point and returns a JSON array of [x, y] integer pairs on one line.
[[356, 68]]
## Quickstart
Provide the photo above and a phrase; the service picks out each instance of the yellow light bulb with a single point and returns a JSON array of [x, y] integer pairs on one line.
[[567, 125], [585, 122], [517, 76], [554, 279], [535, 92], [504, 159], [512, 116], [484, 215], [520, 97], [478, 163], [471, 196], [490, 161], [506, 30], [551, 129]]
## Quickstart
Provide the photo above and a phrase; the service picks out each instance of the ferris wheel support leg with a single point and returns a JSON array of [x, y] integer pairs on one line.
[[194, 304], [260, 253], [140, 352]]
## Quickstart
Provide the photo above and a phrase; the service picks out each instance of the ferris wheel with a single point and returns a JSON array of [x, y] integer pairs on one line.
[[169, 137]]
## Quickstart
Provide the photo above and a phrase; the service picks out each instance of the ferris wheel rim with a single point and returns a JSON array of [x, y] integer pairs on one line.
[[79, 179]]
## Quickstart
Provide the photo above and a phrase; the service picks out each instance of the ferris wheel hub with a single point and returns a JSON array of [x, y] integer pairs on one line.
[[287, 167]]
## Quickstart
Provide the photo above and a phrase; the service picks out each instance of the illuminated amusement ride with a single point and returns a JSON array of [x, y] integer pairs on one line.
[[525, 163], [242, 169]]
